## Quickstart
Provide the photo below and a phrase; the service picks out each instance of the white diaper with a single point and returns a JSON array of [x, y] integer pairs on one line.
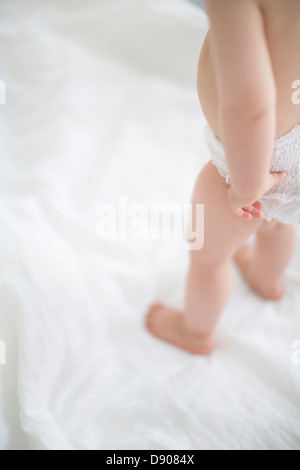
[[283, 201]]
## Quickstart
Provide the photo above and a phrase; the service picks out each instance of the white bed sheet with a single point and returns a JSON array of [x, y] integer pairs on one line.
[[101, 102]]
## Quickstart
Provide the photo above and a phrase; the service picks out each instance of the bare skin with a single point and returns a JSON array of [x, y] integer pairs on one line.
[[233, 214], [169, 325], [244, 260]]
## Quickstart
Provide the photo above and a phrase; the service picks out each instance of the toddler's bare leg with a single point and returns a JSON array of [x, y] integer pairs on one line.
[[209, 280], [264, 264]]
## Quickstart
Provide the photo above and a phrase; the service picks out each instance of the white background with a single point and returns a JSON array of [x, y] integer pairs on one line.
[[102, 102]]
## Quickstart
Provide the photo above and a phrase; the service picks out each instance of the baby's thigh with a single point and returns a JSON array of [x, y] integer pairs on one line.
[[224, 232]]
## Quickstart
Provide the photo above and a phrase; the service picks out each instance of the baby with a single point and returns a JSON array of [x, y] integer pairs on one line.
[[248, 63]]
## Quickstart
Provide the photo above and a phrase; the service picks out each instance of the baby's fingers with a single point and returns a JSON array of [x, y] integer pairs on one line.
[[250, 212], [244, 214], [255, 210], [258, 205], [257, 214]]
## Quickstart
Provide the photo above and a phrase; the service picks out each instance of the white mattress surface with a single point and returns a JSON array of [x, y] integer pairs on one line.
[[101, 103]]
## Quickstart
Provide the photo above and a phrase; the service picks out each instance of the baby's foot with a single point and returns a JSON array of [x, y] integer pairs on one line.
[[243, 259], [168, 324]]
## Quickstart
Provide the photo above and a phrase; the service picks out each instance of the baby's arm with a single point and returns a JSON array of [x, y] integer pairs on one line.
[[247, 95]]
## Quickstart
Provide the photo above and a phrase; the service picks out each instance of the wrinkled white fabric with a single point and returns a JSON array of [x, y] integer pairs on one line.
[[101, 103], [283, 201]]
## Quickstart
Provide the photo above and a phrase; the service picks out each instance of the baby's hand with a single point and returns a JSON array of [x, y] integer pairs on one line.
[[247, 209]]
